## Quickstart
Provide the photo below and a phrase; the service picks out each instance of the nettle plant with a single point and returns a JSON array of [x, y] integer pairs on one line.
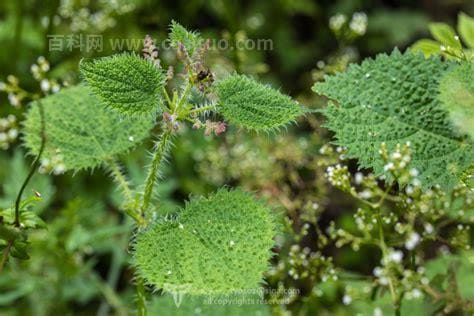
[[219, 244], [407, 120]]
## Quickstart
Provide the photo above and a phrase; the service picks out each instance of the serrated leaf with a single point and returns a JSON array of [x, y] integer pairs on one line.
[[178, 34], [456, 93], [252, 105], [427, 47], [79, 131], [466, 29], [393, 99], [216, 245], [445, 35], [245, 305], [126, 83]]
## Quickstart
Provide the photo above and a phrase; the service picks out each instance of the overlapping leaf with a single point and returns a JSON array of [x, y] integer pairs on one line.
[[216, 245], [252, 105], [394, 99], [456, 93], [190, 40], [125, 82], [79, 132]]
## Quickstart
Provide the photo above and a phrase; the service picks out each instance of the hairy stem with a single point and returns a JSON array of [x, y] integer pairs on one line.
[[141, 298], [161, 148], [129, 206]]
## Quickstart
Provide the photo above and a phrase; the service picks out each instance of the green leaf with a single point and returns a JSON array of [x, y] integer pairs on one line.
[[252, 105], [178, 34], [456, 93], [245, 305], [18, 170], [466, 29], [427, 47], [462, 266], [126, 83], [445, 35], [215, 245], [393, 99], [79, 132]]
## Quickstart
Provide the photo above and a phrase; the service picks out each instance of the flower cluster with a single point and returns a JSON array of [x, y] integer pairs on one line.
[[8, 131], [39, 71], [401, 218], [12, 88], [55, 165], [348, 30], [83, 18]]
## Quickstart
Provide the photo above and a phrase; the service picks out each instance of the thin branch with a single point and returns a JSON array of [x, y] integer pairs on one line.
[[34, 166]]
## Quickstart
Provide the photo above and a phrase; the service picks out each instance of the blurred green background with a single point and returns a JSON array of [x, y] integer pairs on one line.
[[78, 265]]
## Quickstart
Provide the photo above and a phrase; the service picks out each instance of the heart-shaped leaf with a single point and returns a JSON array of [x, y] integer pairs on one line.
[[80, 133], [215, 245]]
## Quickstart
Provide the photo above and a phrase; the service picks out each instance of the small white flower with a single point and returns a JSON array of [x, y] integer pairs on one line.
[[412, 241], [389, 166], [346, 299], [14, 100], [414, 172], [378, 272], [59, 169], [232, 243], [378, 311], [131, 138], [337, 21], [396, 256], [3, 86], [429, 228], [3, 137], [358, 23], [358, 177], [45, 85], [13, 133], [416, 293]]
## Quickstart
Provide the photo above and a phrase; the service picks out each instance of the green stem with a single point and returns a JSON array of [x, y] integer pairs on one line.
[[141, 298], [161, 148], [129, 204], [35, 166], [119, 177]]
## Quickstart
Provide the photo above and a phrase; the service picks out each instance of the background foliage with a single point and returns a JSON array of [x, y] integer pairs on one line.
[[78, 265]]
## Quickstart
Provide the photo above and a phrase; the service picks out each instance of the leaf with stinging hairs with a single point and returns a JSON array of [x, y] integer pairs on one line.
[[190, 40], [456, 93], [394, 99], [215, 245], [254, 106], [126, 83], [79, 131]]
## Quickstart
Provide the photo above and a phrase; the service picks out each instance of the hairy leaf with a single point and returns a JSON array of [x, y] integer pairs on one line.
[[216, 245], [79, 132], [125, 82], [393, 99], [235, 305], [457, 96], [252, 105], [178, 34]]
